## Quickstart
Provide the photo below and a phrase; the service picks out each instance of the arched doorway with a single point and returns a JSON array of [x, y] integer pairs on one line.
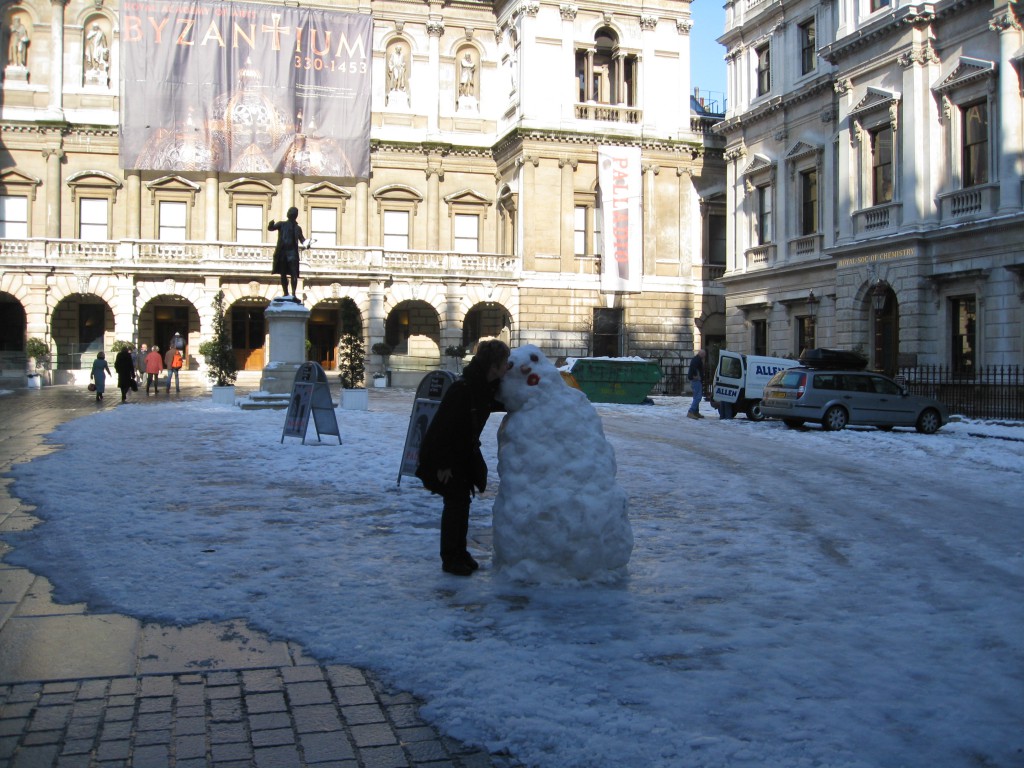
[[487, 320], [886, 314], [12, 326], [78, 327], [249, 333], [323, 331], [413, 329], [164, 317]]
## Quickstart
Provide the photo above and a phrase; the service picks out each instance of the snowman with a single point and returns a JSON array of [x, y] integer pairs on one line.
[[559, 514]]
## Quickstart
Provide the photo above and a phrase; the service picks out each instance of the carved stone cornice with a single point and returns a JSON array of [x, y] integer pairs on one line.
[[435, 27], [568, 161], [568, 11], [530, 7], [683, 26], [648, 22], [920, 55]]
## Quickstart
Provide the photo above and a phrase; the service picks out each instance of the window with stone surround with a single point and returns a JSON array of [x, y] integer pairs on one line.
[[759, 337], [93, 218], [763, 68], [809, 201], [323, 225], [397, 204], [974, 144], [172, 221], [808, 47], [396, 230], [325, 203], [605, 72], [607, 336], [466, 233], [763, 195], [13, 216], [94, 194], [963, 315]]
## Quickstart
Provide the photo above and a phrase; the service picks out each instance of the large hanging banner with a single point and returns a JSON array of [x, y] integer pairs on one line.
[[244, 88], [621, 206]]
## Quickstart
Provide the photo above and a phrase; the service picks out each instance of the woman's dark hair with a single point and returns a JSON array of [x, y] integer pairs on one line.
[[490, 352]]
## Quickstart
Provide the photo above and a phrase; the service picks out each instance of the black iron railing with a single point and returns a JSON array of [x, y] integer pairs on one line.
[[992, 392]]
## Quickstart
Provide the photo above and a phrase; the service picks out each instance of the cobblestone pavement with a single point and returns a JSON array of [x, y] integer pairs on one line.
[[85, 689]]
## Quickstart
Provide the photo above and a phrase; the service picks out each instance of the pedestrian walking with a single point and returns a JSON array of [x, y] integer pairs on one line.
[[696, 377], [124, 366], [173, 361], [451, 464], [140, 361], [154, 364], [100, 371]]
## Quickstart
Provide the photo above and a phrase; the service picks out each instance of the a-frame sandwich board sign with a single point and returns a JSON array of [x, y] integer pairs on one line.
[[428, 398], [310, 394]]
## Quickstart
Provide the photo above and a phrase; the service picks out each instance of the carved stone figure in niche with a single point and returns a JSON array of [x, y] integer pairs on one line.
[[17, 49], [97, 52], [467, 75], [398, 76]]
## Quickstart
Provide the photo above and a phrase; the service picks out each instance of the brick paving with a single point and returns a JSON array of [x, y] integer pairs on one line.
[[84, 690]]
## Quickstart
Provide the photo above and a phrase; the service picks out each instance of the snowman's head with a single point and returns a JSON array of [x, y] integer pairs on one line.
[[530, 375]]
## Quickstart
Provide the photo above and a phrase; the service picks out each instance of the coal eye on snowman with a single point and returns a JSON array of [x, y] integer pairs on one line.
[[534, 358]]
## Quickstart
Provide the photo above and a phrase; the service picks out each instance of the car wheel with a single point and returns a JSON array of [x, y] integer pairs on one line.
[[835, 419], [929, 422], [793, 423], [754, 412]]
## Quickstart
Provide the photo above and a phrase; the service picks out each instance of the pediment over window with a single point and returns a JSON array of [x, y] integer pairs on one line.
[[965, 71], [760, 164], [14, 176], [250, 186], [802, 150], [874, 100], [172, 184], [326, 189], [398, 192], [96, 182], [94, 179], [467, 197]]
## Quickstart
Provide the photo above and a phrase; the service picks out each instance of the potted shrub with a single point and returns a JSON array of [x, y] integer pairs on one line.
[[383, 349], [458, 352], [351, 359], [221, 368], [37, 351]]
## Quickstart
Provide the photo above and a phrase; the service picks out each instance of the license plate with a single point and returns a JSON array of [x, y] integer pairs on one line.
[[777, 395]]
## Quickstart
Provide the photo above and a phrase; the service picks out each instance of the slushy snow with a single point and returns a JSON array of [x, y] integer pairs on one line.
[[794, 598], [559, 515]]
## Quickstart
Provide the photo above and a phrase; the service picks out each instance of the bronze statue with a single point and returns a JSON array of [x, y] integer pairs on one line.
[[286, 254]]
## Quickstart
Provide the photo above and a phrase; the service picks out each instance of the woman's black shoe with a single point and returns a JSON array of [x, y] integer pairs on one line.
[[468, 559], [458, 569]]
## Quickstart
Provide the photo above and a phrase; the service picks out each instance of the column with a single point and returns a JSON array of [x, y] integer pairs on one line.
[[431, 82], [124, 306], [1009, 139], [362, 224], [567, 210], [53, 190], [451, 330], [527, 193], [57, 56], [684, 233], [287, 195], [433, 206], [133, 195], [650, 171], [211, 195], [568, 13], [375, 322]]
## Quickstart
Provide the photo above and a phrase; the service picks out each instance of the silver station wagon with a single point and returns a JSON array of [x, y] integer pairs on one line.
[[835, 398]]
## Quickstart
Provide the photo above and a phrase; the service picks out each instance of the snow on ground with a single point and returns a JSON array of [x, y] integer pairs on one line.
[[795, 598]]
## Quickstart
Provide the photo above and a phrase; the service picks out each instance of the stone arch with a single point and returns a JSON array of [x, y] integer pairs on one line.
[[413, 329], [326, 326], [166, 314], [13, 328], [81, 325], [486, 320]]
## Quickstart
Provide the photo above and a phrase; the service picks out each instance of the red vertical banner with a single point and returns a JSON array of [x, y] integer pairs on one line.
[[621, 207], [245, 88]]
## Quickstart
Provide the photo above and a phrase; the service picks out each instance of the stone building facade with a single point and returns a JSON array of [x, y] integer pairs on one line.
[[874, 152], [481, 216]]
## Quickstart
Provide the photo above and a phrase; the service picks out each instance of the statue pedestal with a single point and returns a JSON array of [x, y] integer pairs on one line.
[[467, 104], [16, 73], [286, 329]]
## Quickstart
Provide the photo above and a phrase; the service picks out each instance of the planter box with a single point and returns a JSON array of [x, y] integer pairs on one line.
[[355, 399], [380, 383], [35, 381], [223, 395]]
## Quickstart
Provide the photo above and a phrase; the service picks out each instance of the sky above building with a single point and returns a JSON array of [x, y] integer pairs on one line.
[[707, 57]]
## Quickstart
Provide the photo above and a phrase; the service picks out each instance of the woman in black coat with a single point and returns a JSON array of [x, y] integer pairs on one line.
[[451, 464], [124, 367]]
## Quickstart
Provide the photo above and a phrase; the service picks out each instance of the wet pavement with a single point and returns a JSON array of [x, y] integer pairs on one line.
[[87, 689]]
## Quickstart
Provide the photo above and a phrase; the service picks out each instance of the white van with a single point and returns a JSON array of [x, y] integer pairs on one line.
[[739, 382]]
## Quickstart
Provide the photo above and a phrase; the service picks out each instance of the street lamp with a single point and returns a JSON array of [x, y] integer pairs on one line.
[[879, 293], [812, 305]]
